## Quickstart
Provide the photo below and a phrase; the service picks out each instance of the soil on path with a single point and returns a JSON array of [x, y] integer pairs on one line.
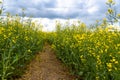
[[46, 66]]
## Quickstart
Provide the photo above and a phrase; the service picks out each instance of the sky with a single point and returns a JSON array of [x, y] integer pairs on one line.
[[85, 10]]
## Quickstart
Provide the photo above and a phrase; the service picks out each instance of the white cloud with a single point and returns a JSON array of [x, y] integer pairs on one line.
[[65, 3], [50, 24], [62, 9], [92, 10]]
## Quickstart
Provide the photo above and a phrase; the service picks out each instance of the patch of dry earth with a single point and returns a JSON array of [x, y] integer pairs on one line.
[[46, 66]]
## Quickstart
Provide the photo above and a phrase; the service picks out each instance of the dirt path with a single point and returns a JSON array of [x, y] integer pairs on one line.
[[46, 66]]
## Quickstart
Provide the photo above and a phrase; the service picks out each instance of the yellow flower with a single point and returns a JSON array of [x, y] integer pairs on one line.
[[109, 69], [106, 29], [53, 46], [83, 25], [26, 38], [13, 41], [109, 65], [81, 56], [118, 45], [116, 68], [97, 77], [29, 51], [119, 52], [105, 50], [93, 54], [5, 36], [116, 62], [1, 30], [113, 60], [118, 15], [110, 1]]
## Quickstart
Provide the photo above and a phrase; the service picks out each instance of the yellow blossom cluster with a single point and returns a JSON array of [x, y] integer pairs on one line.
[[96, 52], [17, 43]]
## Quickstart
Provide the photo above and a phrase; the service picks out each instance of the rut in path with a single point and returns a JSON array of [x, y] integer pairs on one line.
[[46, 66]]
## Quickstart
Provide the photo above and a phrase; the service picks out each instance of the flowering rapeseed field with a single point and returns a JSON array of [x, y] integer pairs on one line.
[[90, 54], [18, 43], [93, 55]]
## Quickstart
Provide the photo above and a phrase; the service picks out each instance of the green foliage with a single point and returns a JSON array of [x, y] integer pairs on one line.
[[93, 55], [90, 53], [18, 44]]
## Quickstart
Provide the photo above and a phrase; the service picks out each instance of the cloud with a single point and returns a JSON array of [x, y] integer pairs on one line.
[[75, 9], [92, 10]]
